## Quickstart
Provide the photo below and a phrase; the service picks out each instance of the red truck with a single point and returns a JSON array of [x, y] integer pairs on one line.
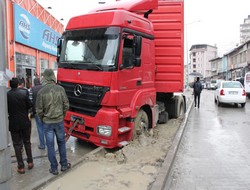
[[122, 67]]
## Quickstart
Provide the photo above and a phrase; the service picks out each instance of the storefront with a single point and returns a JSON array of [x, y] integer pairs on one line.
[[32, 44]]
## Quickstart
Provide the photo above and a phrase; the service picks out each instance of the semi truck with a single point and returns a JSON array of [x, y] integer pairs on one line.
[[122, 67]]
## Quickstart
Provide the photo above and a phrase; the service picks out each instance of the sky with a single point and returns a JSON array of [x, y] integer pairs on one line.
[[212, 22]]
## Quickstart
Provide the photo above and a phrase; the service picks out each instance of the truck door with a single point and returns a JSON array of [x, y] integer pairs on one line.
[[130, 75]]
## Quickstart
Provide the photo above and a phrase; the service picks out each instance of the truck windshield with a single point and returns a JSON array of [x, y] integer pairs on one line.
[[90, 49]]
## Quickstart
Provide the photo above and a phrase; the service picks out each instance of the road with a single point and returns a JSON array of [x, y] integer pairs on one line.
[[215, 149]]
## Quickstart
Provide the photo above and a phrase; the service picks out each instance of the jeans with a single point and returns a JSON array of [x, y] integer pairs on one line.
[[51, 130], [40, 131], [197, 96]]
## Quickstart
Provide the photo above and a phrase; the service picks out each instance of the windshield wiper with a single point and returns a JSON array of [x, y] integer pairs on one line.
[[94, 66]]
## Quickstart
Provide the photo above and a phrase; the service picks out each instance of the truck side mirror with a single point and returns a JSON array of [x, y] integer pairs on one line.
[[59, 48], [137, 45]]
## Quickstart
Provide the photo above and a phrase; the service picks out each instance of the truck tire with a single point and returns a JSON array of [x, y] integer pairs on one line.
[[179, 107], [163, 117], [141, 124]]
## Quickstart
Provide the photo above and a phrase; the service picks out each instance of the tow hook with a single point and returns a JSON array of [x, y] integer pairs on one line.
[[68, 134]]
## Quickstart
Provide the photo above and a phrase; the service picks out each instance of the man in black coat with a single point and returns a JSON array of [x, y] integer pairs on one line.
[[19, 123], [197, 91]]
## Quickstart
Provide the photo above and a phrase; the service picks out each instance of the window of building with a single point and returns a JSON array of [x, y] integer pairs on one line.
[[44, 65]]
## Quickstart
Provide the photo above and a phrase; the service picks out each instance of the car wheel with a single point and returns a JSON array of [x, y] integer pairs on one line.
[[215, 101], [218, 102], [243, 105], [141, 124]]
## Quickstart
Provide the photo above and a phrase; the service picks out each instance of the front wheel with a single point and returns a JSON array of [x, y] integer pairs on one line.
[[141, 124]]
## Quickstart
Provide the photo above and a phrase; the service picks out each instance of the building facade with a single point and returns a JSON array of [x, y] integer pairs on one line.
[[234, 64], [200, 54], [32, 34], [245, 30]]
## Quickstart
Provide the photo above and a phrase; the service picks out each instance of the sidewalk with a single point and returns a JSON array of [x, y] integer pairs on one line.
[[39, 175]]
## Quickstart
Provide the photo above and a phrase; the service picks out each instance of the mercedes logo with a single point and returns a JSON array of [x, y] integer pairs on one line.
[[78, 90]]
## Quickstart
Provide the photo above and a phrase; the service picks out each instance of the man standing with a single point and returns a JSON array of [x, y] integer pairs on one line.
[[39, 124], [197, 91], [51, 106], [19, 123]]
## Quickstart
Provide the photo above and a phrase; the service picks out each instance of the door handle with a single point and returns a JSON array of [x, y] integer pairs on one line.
[[138, 83]]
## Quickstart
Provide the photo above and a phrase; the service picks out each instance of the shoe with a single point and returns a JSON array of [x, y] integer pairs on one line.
[[40, 147], [21, 170], [54, 172], [194, 105], [30, 165], [64, 168]]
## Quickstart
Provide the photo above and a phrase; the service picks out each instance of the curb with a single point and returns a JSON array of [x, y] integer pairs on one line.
[[164, 172]]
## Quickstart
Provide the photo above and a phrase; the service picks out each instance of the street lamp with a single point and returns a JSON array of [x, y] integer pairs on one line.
[[187, 51], [186, 26]]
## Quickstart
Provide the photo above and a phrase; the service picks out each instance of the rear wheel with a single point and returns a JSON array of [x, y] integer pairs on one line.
[[218, 102], [141, 124], [243, 105], [163, 117]]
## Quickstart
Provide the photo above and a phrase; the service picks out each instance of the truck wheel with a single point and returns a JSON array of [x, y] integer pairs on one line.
[[141, 124], [163, 117], [179, 107]]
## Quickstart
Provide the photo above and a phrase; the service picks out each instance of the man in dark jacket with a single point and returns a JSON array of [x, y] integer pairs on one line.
[[51, 106], [19, 123], [197, 91], [39, 124]]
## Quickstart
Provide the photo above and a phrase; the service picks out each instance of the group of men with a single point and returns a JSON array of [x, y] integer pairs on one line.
[[49, 105]]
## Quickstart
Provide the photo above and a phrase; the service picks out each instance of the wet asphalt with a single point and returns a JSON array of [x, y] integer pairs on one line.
[[214, 151]]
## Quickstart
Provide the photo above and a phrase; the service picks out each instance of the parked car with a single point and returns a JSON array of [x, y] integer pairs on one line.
[[247, 84], [230, 92], [214, 82]]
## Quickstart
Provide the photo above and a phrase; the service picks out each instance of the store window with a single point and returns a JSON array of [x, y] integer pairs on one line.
[[54, 65], [44, 65], [25, 68]]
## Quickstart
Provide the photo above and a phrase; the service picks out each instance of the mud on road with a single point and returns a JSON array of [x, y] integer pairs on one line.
[[134, 167]]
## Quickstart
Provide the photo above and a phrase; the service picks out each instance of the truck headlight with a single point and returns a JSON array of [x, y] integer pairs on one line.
[[104, 130]]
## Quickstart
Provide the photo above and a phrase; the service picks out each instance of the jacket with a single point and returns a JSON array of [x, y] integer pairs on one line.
[[18, 109], [197, 87], [51, 102], [34, 91]]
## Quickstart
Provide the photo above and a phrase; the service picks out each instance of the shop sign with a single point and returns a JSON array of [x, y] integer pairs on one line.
[[32, 32]]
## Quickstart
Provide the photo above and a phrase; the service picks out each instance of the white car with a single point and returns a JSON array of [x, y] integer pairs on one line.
[[230, 92]]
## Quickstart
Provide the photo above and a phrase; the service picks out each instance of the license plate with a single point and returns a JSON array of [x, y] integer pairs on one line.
[[233, 92]]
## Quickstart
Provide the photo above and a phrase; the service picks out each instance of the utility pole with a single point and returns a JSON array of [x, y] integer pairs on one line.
[[5, 161]]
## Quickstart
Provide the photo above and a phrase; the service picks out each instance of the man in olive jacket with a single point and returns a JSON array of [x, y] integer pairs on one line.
[[51, 106]]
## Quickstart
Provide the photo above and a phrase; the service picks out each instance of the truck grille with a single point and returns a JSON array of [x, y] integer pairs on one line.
[[85, 99]]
